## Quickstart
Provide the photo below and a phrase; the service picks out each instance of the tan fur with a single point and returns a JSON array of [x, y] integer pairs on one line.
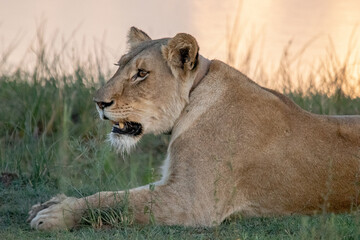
[[235, 146], [136, 36]]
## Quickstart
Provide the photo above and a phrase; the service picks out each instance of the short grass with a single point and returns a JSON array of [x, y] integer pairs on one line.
[[52, 139]]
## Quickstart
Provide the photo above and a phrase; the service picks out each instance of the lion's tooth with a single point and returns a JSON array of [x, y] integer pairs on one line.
[[121, 125]]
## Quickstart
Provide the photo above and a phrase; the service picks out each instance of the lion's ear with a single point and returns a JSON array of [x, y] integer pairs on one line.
[[181, 53], [136, 36]]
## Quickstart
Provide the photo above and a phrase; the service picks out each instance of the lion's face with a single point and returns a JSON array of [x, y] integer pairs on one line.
[[149, 89]]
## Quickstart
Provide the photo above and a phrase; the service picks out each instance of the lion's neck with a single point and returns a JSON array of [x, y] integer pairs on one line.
[[204, 65]]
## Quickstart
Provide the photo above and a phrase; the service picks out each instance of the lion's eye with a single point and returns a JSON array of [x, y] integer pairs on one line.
[[140, 75]]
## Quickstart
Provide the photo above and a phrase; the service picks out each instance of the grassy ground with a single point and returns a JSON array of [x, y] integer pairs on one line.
[[51, 138], [51, 141]]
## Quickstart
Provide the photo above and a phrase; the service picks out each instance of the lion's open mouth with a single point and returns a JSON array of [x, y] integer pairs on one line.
[[128, 128]]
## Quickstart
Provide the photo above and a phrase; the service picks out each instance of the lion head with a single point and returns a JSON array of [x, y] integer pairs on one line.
[[150, 87]]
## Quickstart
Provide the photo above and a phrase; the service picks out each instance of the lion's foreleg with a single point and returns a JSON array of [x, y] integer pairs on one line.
[[159, 204], [149, 204]]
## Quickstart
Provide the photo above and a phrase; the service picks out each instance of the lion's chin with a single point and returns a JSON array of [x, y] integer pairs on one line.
[[122, 142]]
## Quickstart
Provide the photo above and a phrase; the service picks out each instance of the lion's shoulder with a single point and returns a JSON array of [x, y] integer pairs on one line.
[[241, 87]]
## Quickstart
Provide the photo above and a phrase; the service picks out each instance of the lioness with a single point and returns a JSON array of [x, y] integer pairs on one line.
[[235, 146]]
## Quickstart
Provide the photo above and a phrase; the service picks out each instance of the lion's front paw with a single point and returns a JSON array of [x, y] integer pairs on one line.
[[59, 212]]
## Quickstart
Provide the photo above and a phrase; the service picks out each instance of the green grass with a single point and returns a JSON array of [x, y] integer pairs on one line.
[[51, 137]]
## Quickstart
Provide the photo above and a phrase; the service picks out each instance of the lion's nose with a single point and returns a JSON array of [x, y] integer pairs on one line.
[[103, 105]]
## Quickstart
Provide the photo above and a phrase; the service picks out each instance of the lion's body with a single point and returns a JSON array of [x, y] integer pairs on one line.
[[253, 150], [235, 146]]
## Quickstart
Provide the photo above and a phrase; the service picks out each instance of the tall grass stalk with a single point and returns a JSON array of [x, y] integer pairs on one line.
[[330, 75]]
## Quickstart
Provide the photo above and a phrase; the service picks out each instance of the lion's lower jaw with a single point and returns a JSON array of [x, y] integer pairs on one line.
[[122, 143]]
